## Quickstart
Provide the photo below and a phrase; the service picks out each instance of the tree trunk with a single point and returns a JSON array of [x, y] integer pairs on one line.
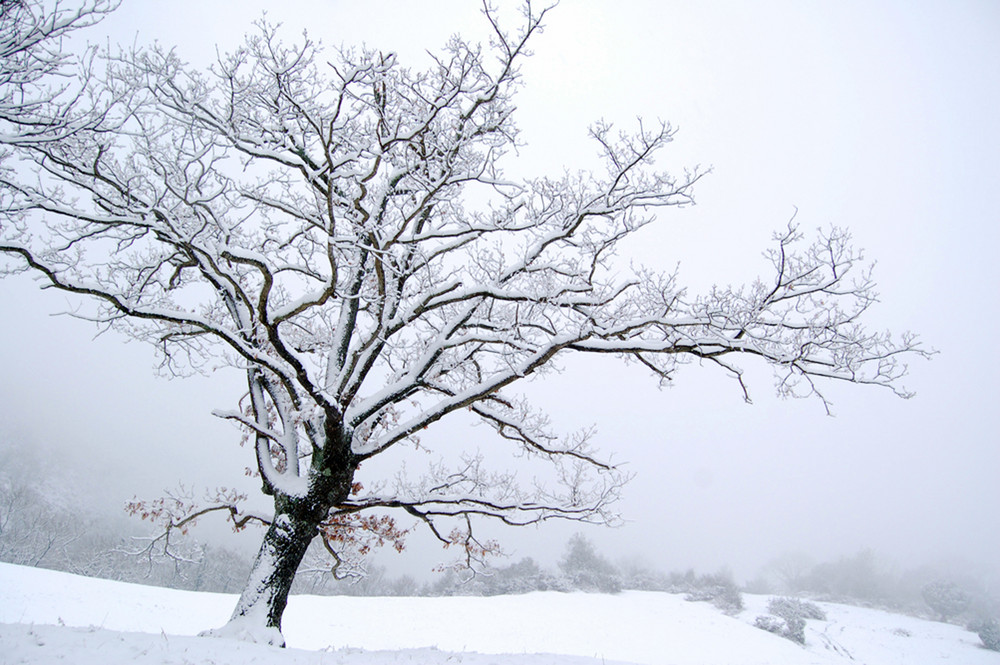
[[257, 617]]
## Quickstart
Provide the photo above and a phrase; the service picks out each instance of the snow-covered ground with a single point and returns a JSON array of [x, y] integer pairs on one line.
[[50, 617]]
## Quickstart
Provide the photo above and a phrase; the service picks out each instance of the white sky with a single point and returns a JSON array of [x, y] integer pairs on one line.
[[879, 116]]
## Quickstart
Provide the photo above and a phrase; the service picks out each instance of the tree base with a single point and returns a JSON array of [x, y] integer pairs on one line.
[[247, 629]]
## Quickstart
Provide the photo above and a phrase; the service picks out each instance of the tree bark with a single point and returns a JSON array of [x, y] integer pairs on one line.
[[257, 617]]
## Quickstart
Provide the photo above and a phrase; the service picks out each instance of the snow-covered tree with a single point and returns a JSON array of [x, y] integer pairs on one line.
[[946, 598], [789, 571], [340, 228], [32, 533], [586, 569]]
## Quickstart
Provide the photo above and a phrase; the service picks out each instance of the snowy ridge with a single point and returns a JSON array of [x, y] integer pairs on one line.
[[50, 617]]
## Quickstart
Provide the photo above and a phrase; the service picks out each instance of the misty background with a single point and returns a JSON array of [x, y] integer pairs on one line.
[[881, 117]]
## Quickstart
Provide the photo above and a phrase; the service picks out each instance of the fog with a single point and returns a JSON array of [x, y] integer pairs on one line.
[[879, 117]]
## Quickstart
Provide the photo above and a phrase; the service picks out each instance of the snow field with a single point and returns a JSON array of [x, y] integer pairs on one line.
[[51, 617]]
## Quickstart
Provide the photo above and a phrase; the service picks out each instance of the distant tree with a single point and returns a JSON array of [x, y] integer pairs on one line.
[[404, 585], [338, 227], [41, 526], [861, 576], [218, 570], [638, 575], [522, 577], [31, 532], [946, 598], [790, 571], [587, 570]]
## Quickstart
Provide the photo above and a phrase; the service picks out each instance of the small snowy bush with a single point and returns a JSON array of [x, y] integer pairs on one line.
[[791, 628], [770, 624], [788, 618], [718, 589], [946, 598], [785, 607], [989, 632]]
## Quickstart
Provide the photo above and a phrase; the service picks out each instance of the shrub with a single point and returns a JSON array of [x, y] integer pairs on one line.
[[989, 632], [718, 589], [792, 629], [785, 607], [946, 598], [770, 624], [788, 618]]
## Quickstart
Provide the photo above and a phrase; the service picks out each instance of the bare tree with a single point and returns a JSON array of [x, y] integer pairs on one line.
[[340, 229], [31, 533]]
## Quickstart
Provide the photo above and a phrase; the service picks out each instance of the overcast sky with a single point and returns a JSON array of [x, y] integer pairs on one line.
[[878, 116]]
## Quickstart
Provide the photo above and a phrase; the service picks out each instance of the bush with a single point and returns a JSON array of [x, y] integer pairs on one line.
[[792, 629], [946, 598], [789, 618], [989, 632], [718, 589], [770, 624], [785, 607]]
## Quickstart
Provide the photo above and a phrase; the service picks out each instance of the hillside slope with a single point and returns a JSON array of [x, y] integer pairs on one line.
[[53, 617]]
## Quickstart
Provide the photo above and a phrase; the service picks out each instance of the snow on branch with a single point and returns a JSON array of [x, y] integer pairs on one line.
[[340, 228]]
